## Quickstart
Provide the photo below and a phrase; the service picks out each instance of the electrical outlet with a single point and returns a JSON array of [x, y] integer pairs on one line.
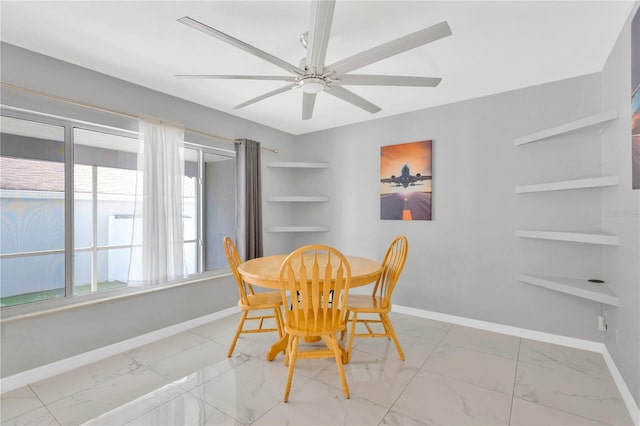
[[602, 323]]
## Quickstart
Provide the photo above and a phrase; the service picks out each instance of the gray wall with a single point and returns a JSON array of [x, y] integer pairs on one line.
[[29, 343], [465, 261], [40, 340], [621, 216]]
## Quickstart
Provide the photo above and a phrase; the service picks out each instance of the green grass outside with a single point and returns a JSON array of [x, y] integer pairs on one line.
[[21, 299]]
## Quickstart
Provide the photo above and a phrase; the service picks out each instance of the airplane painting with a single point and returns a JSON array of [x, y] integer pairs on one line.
[[403, 195], [405, 179]]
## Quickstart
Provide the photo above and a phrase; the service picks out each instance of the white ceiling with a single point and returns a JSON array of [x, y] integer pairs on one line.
[[495, 47]]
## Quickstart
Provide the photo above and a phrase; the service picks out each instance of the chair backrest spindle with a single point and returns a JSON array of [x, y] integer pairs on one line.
[[392, 265], [314, 286], [233, 258]]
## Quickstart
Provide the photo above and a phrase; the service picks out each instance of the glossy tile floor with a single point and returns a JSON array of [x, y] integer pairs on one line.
[[453, 375]]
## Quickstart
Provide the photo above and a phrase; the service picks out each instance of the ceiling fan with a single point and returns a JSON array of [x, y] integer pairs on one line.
[[313, 76]]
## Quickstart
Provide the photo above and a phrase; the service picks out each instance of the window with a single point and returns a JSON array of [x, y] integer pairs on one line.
[[33, 255], [219, 190], [105, 174]]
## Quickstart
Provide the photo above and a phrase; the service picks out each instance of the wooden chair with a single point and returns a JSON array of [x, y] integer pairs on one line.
[[379, 302], [251, 301], [308, 276]]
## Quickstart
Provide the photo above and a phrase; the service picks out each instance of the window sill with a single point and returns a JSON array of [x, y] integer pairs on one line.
[[14, 313]]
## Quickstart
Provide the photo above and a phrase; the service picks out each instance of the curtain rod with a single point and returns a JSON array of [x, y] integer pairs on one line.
[[116, 112]]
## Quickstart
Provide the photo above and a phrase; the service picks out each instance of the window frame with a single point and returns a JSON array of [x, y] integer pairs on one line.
[[69, 250]]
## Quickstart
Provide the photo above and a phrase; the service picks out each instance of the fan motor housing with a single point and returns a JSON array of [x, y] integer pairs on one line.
[[312, 84]]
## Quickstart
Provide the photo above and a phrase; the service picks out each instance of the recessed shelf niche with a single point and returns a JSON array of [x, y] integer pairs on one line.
[[578, 287], [298, 200]]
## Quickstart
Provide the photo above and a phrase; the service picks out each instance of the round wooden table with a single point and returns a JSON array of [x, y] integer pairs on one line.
[[265, 272]]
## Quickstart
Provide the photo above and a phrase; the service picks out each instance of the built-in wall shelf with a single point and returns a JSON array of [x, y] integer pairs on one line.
[[585, 123], [579, 287], [298, 165], [298, 229], [298, 199], [574, 237], [569, 184]]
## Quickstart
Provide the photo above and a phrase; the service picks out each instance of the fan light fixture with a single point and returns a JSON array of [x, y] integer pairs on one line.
[[312, 84], [313, 75]]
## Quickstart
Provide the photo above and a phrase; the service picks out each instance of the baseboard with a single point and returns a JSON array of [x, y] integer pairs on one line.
[[572, 342], [46, 371], [588, 345], [634, 411], [37, 374]]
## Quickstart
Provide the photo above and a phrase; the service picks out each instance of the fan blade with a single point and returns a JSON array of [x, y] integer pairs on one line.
[[386, 80], [394, 47], [240, 44], [308, 102], [319, 29], [237, 77], [352, 98], [265, 96]]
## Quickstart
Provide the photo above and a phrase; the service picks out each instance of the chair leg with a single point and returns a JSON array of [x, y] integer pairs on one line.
[[280, 325], [387, 321], [352, 334], [333, 344], [278, 317], [292, 354], [386, 329], [346, 321], [238, 330], [287, 350]]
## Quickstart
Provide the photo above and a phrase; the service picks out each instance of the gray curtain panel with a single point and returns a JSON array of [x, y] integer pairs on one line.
[[249, 201]]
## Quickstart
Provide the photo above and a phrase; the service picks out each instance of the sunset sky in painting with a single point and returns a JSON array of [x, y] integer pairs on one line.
[[417, 155]]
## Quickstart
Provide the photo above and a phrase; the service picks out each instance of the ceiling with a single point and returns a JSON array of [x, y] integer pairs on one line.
[[494, 47]]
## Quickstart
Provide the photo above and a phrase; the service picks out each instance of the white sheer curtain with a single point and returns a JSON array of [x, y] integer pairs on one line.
[[158, 217]]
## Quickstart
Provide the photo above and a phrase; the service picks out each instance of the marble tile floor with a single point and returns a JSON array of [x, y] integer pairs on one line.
[[452, 375]]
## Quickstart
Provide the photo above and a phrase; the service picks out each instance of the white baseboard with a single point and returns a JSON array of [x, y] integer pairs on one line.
[[634, 411], [588, 345], [46, 371]]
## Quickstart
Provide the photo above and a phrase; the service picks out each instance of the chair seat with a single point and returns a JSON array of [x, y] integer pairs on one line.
[[307, 326], [366, 303], [266, 300]]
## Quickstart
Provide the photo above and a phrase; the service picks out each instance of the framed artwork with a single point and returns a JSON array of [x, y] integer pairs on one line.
[[405, 181], [635, 101]]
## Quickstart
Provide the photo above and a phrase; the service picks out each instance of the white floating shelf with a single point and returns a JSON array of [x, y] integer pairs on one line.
[[581, 124], [569, 184], [298, 199], [579, 287], [604, 239], [299, 165], [299, 229]]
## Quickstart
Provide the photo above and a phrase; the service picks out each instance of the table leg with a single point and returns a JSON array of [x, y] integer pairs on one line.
[[277, 347]]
